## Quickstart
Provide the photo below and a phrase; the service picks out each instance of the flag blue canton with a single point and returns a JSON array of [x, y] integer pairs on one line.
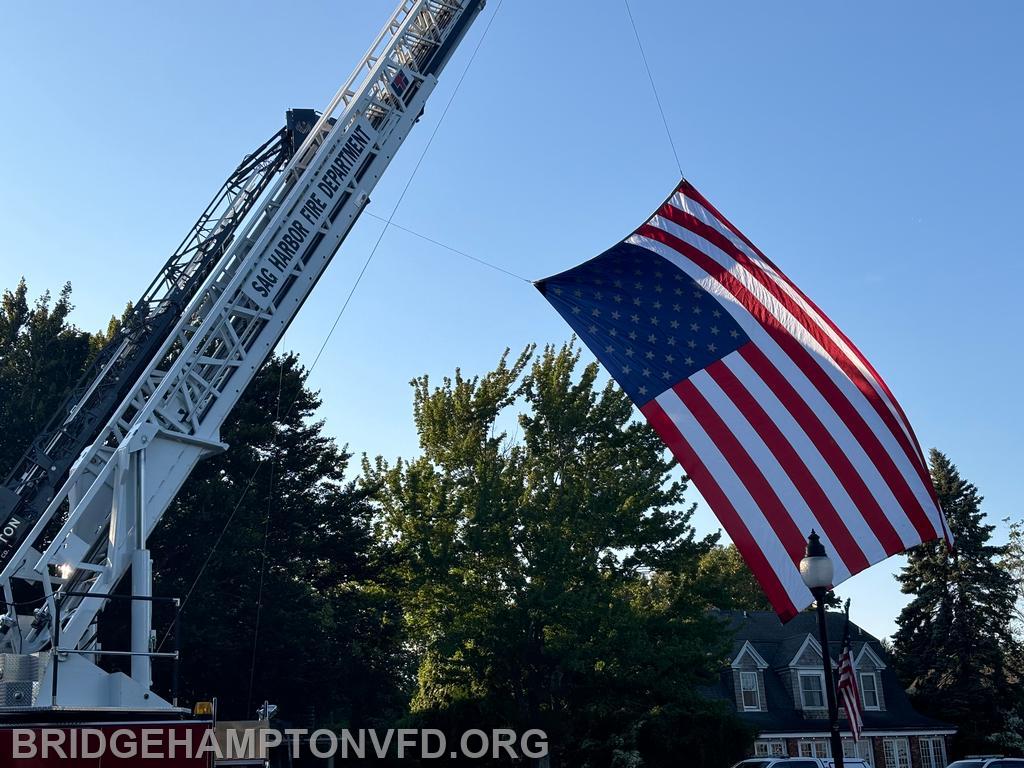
[[648, 322]]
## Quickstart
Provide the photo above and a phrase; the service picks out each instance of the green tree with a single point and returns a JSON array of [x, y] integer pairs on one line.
[[297, 556], [1014, 564], [41, 356], [328, 635], [725, 577], [1011, 737], [100, 339], [546, 581], [954, 637]]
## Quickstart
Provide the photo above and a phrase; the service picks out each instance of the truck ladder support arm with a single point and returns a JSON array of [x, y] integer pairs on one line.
[[32, 483], [174, 409]]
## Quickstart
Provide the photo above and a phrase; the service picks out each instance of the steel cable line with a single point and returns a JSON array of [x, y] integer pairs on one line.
[[341, 312]]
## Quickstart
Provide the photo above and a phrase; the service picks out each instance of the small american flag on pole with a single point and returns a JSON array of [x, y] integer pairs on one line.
[[780, 422], [849, 693]]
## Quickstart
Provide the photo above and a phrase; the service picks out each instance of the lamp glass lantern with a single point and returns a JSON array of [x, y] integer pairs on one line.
[[816, 568]]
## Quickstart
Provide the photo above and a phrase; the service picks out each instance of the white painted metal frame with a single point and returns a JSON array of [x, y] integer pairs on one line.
[[121, 486]]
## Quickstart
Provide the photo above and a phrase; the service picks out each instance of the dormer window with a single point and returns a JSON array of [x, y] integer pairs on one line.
[[748, 670], [748, 689], [869, 666], [869, 690], [812, 690]]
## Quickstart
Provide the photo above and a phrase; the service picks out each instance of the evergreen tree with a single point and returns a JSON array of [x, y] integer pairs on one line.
[[1014, 564], [294, 576], [327, 634], [1011, 737], [546, 581], [954, 637]]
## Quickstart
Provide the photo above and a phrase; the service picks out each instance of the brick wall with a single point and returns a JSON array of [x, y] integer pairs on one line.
[[877, 748], [879, 752]]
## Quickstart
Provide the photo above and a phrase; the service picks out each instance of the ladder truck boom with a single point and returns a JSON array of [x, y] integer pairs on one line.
[[170, 417], [33, 481]]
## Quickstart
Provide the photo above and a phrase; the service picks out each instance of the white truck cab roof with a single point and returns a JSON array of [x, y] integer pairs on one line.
[[808, 762]]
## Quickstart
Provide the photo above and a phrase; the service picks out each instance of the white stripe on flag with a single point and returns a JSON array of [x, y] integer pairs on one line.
[[765, 460], [698, 211], [819, 354], [808, 392], [811, 458], [748, 510]]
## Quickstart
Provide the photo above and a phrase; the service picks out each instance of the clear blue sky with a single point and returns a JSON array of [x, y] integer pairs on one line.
[[872, 149]]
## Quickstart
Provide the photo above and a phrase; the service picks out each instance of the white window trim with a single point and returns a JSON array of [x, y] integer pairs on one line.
[[866, 650], [813, 644], [867, 754], [770, 748], [816, 748], [799, 681], [756, 689], [942, 749], [748, 650], [808, 641], [878, 694], [896, 741]]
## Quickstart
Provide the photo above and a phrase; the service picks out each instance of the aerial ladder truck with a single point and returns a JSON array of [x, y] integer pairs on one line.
[[78, 509]]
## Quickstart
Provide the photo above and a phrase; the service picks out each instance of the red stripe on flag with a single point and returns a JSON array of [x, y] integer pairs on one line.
[[869, 441], [813, 328], [801, 357], [844, 470], [817, 500], [848, 689], [723, 508], [792, 538], [690, 191]]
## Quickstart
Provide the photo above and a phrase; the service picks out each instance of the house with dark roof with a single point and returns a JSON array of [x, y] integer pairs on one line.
[[777, 684]]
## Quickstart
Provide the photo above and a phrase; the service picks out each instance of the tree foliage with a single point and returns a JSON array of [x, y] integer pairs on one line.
[[728, 581], [954, 640], [41, 356], [327, 639], [294, 576], [546, 579], [1014, 564]]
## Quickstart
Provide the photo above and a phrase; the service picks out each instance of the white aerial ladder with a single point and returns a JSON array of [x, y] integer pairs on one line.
[[121, 485]]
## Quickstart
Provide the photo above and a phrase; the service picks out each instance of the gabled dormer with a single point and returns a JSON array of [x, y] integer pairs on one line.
[[869, 667], [748, 668], [776, 683], [807, 679]]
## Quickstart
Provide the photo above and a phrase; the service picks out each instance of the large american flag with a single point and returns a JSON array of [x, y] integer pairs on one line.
[[777, 418], [849, 692]]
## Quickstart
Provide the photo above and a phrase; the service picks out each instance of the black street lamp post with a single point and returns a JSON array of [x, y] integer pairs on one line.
[[816, 571]]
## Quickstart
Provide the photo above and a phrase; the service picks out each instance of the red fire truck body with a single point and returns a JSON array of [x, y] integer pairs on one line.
[[91, 738]]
